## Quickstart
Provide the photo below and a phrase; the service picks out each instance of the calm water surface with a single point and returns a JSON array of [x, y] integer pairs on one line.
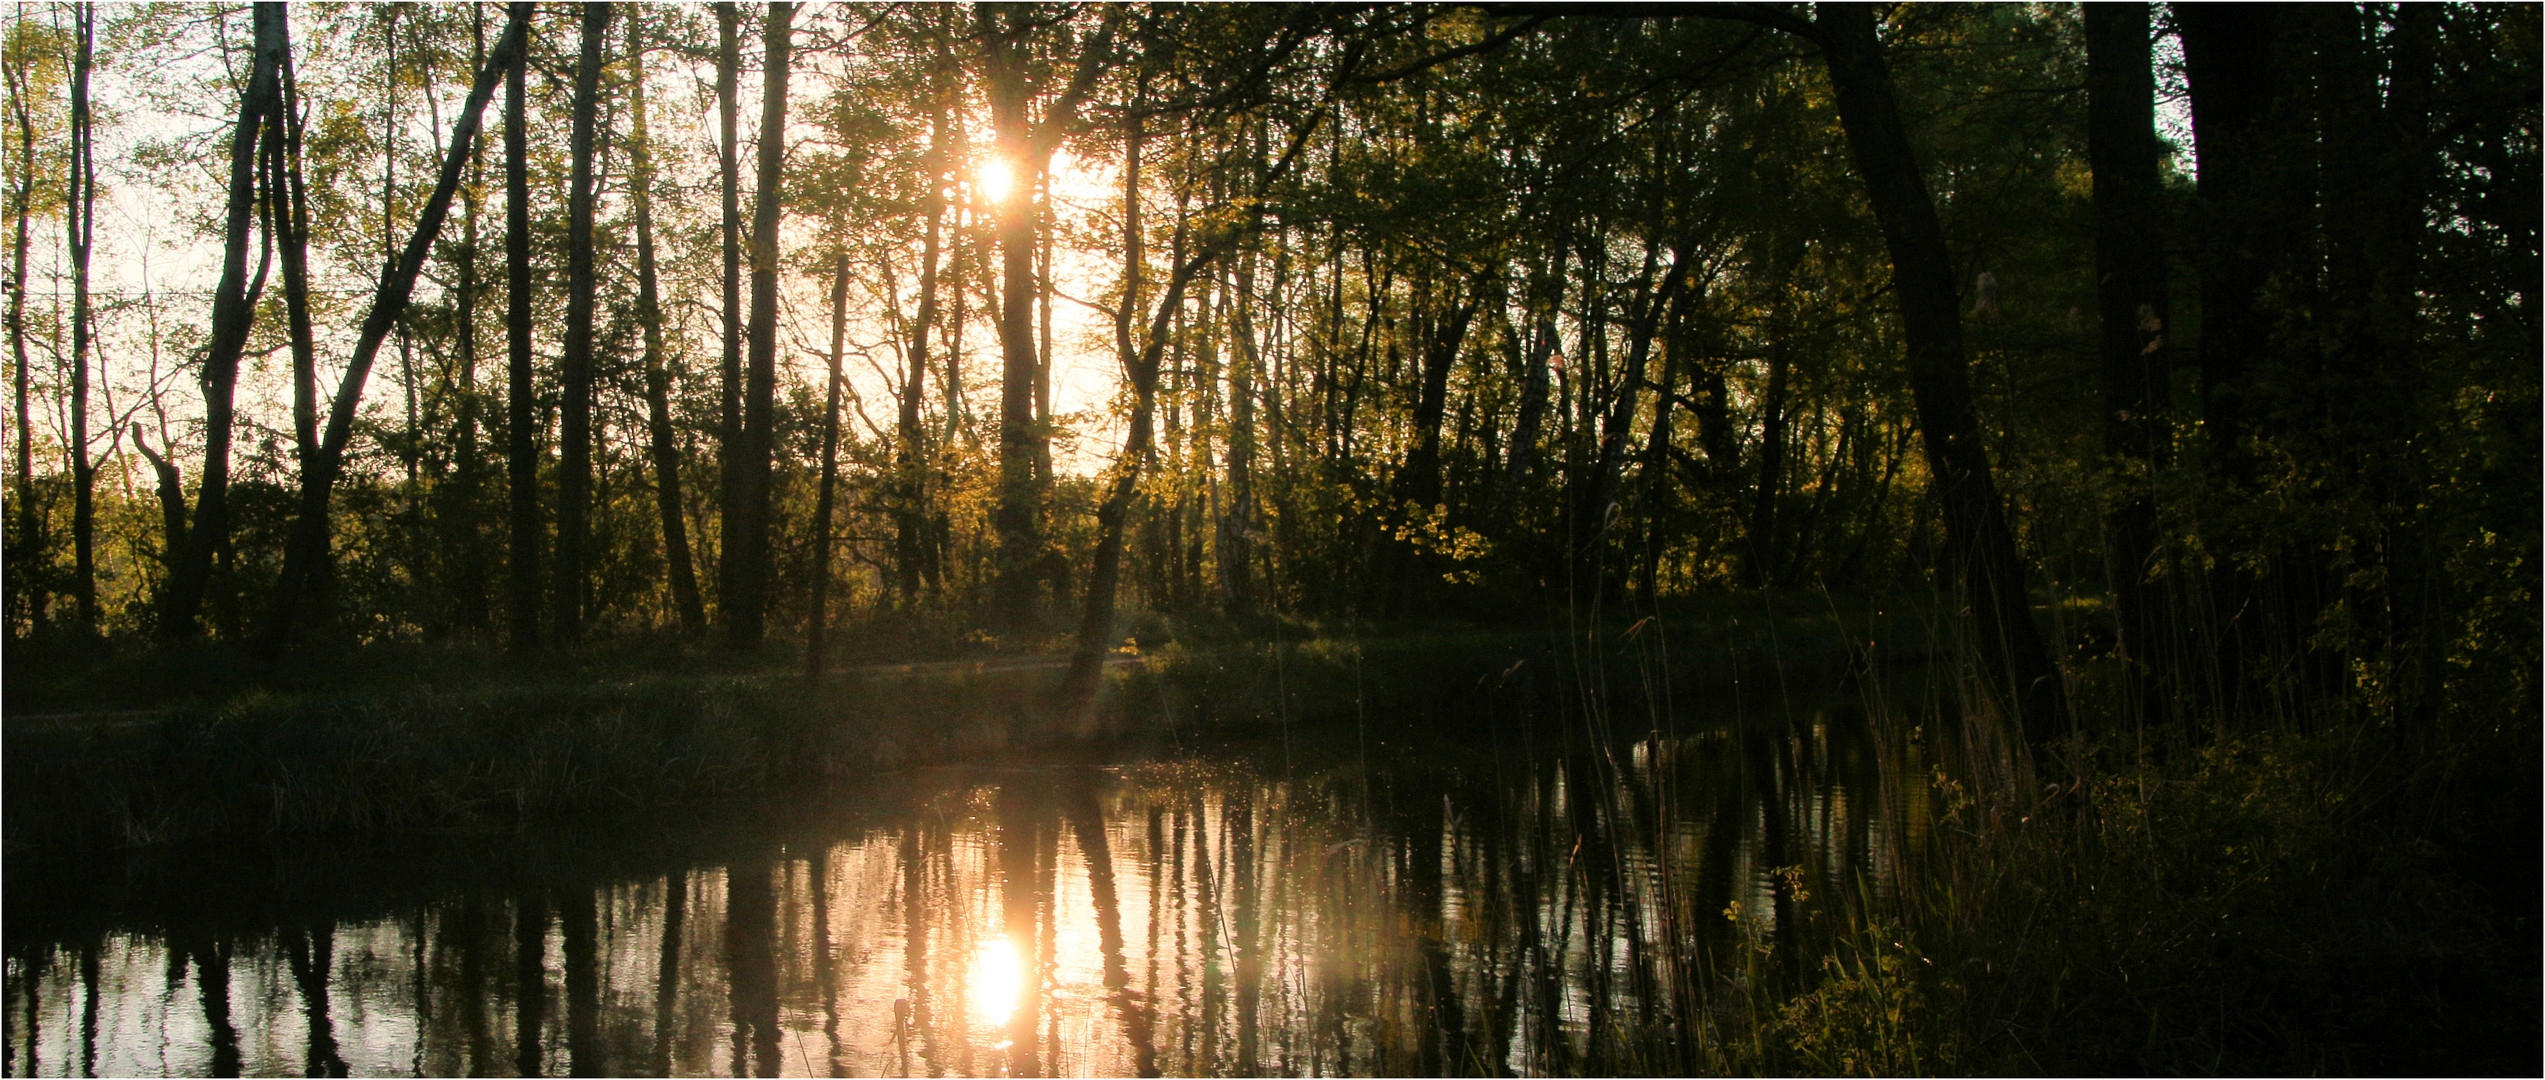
[[1488, 905]]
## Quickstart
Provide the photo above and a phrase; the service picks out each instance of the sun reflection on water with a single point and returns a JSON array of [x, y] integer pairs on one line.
[[996, 979]]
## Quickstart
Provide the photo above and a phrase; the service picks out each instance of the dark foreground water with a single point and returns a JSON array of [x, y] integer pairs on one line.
[[1333, 902]]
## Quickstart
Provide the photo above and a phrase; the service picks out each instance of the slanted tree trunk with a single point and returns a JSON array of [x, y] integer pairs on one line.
[[1659, 502], [747, 546], [665, 445], [80, 218], [521, 406], [308, 542], [233, 311], [172, 500], [574, 367], [1140, 364], [1140, 367], [2122, 147], [1982, 546], [817, 629]]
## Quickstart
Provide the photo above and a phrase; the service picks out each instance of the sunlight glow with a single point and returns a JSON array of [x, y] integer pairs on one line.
[[997, 977], [996, 178]]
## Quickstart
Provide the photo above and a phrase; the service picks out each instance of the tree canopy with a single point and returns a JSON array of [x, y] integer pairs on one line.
[[2191, 345]]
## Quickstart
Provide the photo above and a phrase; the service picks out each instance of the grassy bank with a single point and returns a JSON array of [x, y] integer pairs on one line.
[[177, 747], [122, 746]]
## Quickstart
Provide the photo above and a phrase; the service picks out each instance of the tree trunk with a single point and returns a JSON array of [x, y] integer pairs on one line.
[[1770, 489], [816, 632], [729, 455], [748, 546], [910, 503], [1140, 366], [1017, 516], [1659, 506], [2380, 171], [2236, 81], [233, 311], [1609, 465], [1981, 544], [2125, 155], [467, 481], [574, 367], [1416, 494], [521, 407], [1021, 567], [665, 445], [308, 542], [1237, 525], [22, 205], [172, 500], [1521, 466], [287, 209], [80, 217], [1043, 332]]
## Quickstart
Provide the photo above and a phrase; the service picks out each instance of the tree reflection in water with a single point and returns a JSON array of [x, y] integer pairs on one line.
[[1456, 912]]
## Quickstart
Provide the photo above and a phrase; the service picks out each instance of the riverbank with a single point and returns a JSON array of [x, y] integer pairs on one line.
[[387, 740]]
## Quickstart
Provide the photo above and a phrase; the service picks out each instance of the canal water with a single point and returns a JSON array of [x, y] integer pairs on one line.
[[1518, 900]]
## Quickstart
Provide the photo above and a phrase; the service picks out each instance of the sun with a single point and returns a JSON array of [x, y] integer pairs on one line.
[[997, 177]]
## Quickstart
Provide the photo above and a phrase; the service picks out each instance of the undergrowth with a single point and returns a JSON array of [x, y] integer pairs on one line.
[[2273, 904]]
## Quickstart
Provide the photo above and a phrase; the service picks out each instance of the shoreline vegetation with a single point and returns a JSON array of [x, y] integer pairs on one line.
[[400, 738]]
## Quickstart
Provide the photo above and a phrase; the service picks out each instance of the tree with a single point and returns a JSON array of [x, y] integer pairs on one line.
[[521, 432], [819, 626], [730, 453], [665, 446], [912, 551], [81, 219], [747, 541], [20, 74], [1983, 560], [574, 466], [309, 537], [233, 310], [2133, 313], [1026, 146]]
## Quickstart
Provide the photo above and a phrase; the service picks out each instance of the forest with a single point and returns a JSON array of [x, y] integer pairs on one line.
[[2172, 370]]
